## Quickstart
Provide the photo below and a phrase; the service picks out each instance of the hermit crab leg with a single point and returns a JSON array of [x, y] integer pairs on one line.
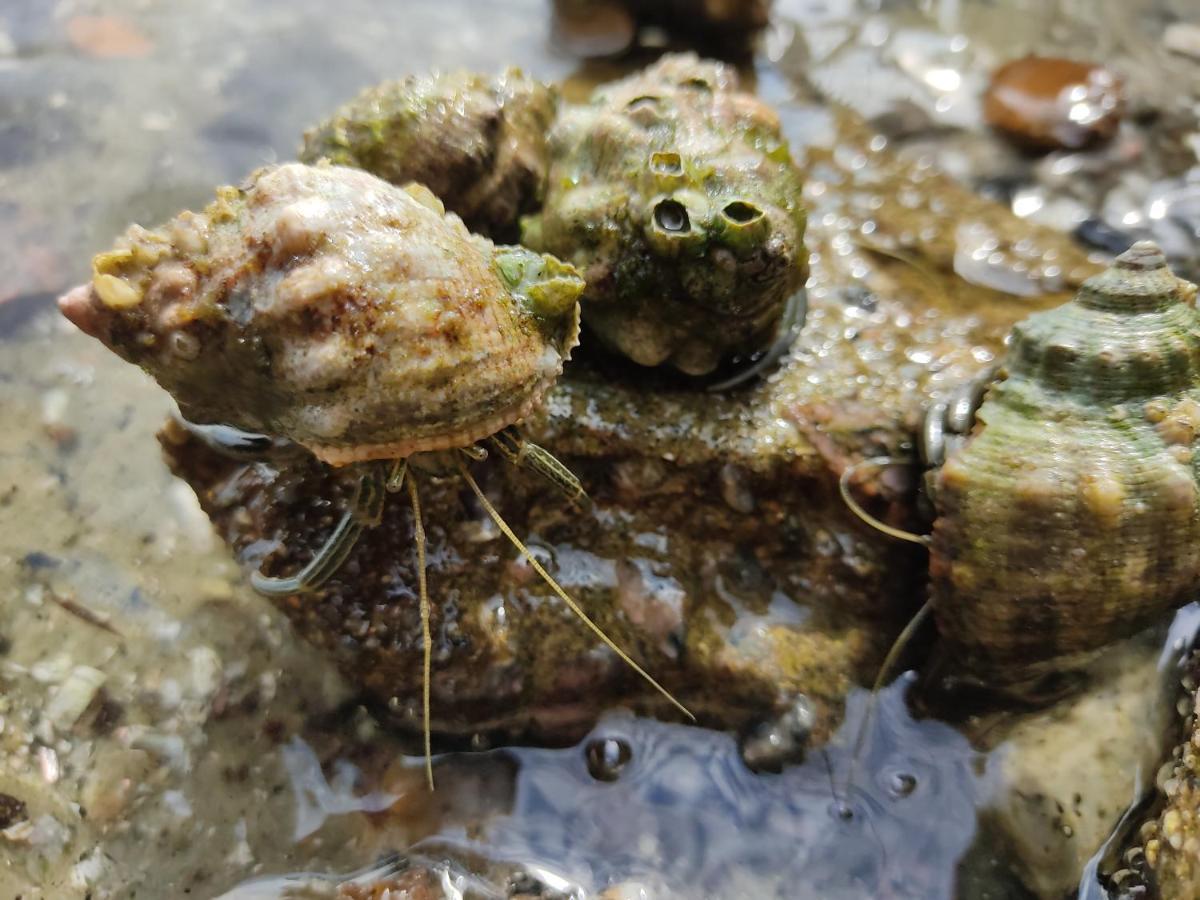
[[365, 511], [510, 444], [563, 595]]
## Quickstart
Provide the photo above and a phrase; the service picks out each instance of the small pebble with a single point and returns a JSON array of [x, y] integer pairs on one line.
[[1045, 103]]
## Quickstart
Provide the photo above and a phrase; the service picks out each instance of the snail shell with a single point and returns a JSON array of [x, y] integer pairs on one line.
[[324, 305], [675, 195], [1071, 516], [477, 141]]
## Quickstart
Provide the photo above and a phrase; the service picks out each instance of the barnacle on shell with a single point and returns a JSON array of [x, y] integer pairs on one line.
[[675, 195], [324, 305], [1071, 517]]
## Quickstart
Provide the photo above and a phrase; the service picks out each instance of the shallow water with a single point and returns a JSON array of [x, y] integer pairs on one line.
[[218, 748]]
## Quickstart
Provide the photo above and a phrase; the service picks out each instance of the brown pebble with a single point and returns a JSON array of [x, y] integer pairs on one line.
[[12, 810], [1045, 103]]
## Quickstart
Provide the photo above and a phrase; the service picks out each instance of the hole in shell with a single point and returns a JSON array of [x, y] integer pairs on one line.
[[666, 164], [742, 213], [606, 757], [670, 215], [697, 83]]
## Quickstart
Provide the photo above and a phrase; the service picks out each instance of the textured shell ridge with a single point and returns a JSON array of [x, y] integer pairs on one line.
[[1071, 516]]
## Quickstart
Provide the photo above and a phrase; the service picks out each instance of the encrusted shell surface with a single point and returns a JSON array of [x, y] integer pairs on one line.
[[675, 196], [1071, 517], [324, 305], [477, 141]]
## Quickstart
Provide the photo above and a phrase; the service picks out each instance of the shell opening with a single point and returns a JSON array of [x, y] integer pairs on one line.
[[740, 212], [672, 216]]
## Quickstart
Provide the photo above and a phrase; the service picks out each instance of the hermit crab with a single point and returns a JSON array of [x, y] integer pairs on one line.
[[1065, 484], [671, 191], [356, 319]]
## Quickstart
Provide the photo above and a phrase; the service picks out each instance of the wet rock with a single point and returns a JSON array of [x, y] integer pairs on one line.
[[589, 29], [771, 745], [739, 594], [107, 37], [1068, 772], [1046, 103]]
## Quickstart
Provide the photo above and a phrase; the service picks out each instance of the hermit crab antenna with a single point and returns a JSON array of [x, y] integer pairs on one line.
[[419, 539], [563, 595]]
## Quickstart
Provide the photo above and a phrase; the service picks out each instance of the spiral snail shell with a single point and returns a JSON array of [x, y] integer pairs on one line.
[[1071, 516], [322, 304]]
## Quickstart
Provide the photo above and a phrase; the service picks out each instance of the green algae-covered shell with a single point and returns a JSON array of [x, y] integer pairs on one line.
[[324, 305], [675, 195], [1071, 516], [477, 141]]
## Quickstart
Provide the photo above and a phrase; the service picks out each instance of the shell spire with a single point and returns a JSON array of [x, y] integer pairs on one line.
[[1071, 517]]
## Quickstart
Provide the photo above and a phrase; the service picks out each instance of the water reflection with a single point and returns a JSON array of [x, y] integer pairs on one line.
[[674, 810]]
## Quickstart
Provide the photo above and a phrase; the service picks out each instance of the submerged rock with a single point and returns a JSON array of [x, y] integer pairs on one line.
[[1061, 796]]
